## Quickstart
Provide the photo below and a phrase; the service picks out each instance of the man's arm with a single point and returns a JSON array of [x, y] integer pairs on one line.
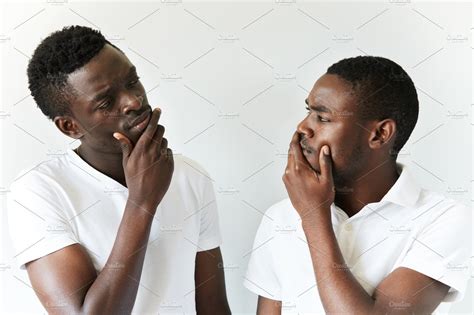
[[66, 281], [404, 291], [209, 278], [268, 306]]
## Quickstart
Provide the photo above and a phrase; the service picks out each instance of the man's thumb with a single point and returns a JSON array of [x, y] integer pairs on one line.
[[125, 144]]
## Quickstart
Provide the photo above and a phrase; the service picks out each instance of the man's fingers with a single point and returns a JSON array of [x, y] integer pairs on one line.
[[147, 135], [125, 144], [291, 154], [325, 163]]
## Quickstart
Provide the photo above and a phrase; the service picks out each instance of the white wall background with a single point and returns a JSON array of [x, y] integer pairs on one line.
[[231, 78]]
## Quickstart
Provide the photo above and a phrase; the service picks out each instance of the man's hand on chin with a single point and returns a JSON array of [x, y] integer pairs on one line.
[[310, 192]]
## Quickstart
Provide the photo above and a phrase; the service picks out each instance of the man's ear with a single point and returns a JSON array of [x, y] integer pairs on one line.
[[68, 126], [383, 132]]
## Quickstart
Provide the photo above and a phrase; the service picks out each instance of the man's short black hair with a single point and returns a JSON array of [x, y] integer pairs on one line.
[[58, 55], [383, 90]]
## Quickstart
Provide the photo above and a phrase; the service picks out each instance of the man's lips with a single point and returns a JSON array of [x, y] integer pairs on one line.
[[141, 121]]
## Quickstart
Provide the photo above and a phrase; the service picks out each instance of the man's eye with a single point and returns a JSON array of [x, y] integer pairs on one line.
[[104, 105], [308, 109], [322, 119], [134, 82]]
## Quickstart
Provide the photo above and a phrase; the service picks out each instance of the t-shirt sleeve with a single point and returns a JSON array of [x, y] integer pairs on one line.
[[442, 249], [36, 224], [261, 277], [209, 233]]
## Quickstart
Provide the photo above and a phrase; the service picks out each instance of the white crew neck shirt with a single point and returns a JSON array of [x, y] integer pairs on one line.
[[65, 201], [410, 227]]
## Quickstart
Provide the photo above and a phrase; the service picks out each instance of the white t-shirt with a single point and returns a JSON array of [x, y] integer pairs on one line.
[[410, 227], [65, 201]]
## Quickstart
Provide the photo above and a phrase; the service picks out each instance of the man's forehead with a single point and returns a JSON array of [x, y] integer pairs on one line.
[[332, 92], [102, 70]]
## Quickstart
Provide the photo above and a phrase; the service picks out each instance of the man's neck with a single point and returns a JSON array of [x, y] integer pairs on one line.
[[371, 186], [109, 164]]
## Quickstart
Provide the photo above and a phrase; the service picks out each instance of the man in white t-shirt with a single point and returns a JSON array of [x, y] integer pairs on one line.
[[118, 225], [357, 234]]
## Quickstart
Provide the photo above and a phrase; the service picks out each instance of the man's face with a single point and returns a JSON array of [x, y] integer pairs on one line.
[[110, 98], [332, 119]]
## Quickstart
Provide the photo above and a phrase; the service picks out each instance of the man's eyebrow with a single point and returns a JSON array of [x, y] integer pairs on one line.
[[318, 108], [100, 95]]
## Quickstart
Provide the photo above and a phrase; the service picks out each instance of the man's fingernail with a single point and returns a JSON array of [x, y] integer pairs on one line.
[[326, 150], [116, 136]]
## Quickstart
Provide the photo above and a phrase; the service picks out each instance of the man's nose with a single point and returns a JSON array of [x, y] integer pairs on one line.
[[131, 102], [304, 129]]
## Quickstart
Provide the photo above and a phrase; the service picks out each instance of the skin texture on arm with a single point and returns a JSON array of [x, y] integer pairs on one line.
[[404, 291], [66, 281], [210, 283], [268, 306]]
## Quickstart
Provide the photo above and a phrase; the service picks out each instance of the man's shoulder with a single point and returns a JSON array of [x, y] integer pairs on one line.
[[282, 211], [43, 172], [190, 170], [437, 205]]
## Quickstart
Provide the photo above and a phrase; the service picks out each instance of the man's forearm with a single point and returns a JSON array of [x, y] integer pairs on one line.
[[339, 290], [115, 288]]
